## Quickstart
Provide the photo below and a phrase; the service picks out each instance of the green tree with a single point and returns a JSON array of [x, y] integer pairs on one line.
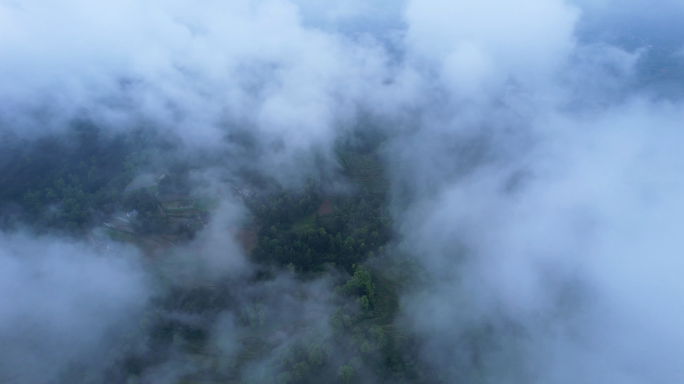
[[301, 370], [285, 378], [346, 373]]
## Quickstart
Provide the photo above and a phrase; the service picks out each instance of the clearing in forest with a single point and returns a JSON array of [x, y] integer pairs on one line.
[[142, 181], [325, 208], [247, 240]]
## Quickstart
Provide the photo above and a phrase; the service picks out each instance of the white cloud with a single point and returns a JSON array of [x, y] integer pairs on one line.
[[61, 303]]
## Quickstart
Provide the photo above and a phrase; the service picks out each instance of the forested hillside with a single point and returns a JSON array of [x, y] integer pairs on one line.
[[96, 187]]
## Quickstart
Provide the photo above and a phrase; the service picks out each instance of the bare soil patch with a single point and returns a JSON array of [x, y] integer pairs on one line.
[[325, 208], [247, 240]]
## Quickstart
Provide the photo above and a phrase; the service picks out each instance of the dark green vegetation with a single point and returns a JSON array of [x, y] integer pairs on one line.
[[68, 183], [295, 232], [311, 241], [308, 235], [354, 339]]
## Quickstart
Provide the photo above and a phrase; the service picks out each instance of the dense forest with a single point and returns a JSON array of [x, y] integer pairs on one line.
[[83, 184], [69, 183]]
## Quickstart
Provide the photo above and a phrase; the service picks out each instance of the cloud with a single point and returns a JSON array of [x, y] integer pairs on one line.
[[547, 223], [193, 72], [474, 55], [537, 183], [63, 304]]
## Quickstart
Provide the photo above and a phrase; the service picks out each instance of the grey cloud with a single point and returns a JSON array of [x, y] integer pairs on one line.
[[192, 71], [63, 303], [543, 201], [565, 275]]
